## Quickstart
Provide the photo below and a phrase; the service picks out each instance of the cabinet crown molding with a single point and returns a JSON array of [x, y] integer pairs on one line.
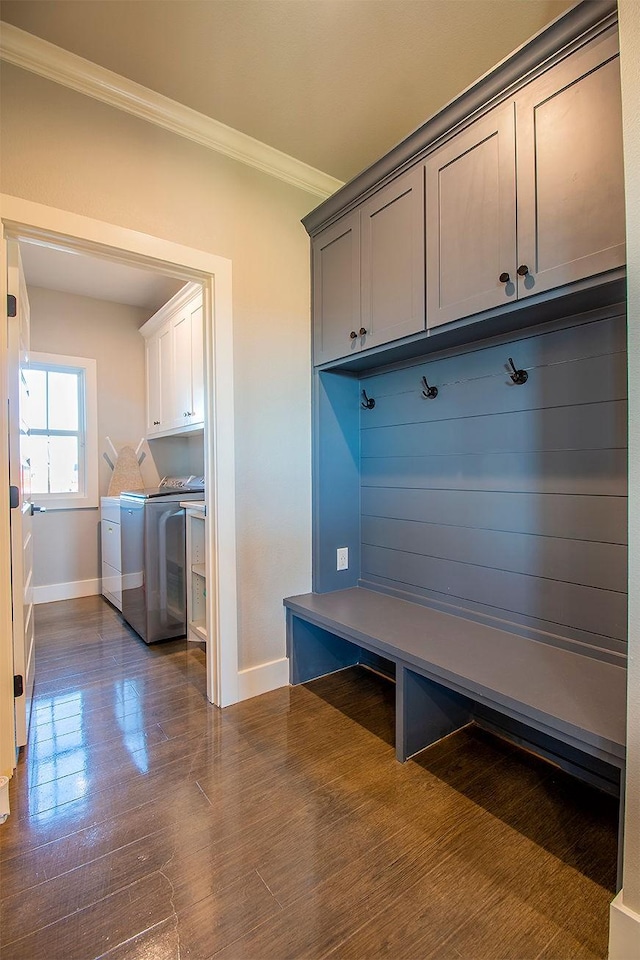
[[577, 25], [47, 60], [178, 300]]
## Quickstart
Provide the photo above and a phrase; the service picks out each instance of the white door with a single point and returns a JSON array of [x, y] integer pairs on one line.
[[20, 480]]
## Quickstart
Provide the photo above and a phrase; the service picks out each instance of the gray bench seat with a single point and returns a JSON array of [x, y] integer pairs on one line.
[[447, 668]]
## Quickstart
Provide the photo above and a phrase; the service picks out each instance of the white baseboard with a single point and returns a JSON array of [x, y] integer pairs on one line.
[[263, 678], [624, 931], [50, 592], [4, 799]]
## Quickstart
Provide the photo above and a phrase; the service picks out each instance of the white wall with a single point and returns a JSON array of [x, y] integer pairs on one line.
[[624, 942], [65, 150]]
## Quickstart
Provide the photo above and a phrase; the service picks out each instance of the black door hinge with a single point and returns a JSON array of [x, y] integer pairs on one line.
[[18, 685], [14, 497], [12, 305]]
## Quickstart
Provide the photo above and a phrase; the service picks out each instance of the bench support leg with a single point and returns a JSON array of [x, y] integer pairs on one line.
[[425, 712], [314, 652]]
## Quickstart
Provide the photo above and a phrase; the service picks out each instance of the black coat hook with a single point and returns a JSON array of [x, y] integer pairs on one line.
[[518, 376], [368, 402], [430, 393]]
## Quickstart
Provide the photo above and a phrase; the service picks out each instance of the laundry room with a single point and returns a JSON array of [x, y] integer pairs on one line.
[[99, 408]]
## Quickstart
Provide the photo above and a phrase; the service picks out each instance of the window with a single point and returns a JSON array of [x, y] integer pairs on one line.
[[62, 420]]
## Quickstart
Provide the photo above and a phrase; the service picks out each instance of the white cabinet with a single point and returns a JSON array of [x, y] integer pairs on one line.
[[175, 365], [188, 370], [159, 380], [196, 571], [110, 539]]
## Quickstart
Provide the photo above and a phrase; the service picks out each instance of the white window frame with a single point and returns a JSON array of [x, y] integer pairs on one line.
[[88, 414]]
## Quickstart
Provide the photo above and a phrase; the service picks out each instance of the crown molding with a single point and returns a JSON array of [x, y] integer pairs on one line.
[[38, 56]]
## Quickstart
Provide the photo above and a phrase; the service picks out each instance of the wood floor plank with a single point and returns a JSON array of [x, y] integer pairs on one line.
[[565, 947], [106, 923], [211, 924], [508, 929], [148, 824], [160, 942], [164, 815], [424, 915]]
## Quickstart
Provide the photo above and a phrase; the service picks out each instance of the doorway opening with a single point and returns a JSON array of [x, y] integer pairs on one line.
[[65, 233]]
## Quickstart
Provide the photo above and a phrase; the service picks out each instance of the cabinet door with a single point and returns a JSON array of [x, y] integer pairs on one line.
[[167, 415], [188, 347], [197, 362], [154, 402], [158, 370], [336, 290], [393, 264], [471, 219], [571, 221], [182, 368]]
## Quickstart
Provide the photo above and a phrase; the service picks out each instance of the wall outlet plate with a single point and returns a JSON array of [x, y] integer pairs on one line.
[[342, 558]]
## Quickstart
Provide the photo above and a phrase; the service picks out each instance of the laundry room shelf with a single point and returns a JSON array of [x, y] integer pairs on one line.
[[196, 572]]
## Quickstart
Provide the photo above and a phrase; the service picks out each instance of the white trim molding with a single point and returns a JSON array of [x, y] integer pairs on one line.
[[47, 60], [24, 219], [4, 799], [255, 681], [50, 592], [624, 931]]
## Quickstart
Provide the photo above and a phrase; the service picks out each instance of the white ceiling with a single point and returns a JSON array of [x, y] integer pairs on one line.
[[69, 272], [334, 83]]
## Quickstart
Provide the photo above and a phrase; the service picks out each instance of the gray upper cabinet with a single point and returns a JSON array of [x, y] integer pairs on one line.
[[368, 272], [471, 220], [393, 263], [556, 172], [336, 289], [571, 221]]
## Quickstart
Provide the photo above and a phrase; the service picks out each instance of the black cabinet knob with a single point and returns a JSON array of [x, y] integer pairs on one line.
[[523, 270], [353, 335], [504, 278], [362, 331]]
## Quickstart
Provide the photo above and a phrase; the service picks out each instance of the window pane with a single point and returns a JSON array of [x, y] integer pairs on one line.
[[39, 453], [63, 464], [36, 415], [63, 401]]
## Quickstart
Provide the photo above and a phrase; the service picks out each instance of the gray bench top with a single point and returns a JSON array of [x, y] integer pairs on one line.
[[579, 696]]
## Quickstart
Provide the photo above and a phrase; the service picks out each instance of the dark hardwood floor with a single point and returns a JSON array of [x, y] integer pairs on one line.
[[148, 824]]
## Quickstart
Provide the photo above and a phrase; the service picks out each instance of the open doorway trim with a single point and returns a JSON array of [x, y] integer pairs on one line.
[[23, 219]]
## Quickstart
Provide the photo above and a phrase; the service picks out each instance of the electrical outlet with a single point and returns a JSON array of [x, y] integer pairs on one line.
[[342, 558]]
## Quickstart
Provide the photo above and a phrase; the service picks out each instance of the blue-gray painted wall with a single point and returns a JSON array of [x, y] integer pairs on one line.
[[498, 500]]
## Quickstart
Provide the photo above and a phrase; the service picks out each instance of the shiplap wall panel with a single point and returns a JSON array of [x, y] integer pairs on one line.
[[594, 472], [564, 604], [595, 339], [592, 564], [506, 499], [565, 636], [548, 515], [585, 381], [595, 426]]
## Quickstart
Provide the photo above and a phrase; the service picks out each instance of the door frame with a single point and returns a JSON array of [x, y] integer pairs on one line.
[[21, 518], [24, 219]]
